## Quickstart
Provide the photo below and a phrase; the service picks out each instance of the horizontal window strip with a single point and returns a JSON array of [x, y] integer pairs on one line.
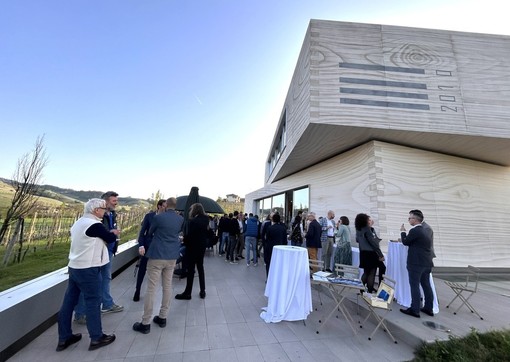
[[364, 102], [371, 92], [382, 67], [384, 83]]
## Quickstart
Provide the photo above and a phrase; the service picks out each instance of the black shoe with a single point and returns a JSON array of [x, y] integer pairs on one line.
[[71, 340], [142, 328], [242, 257], [202, 294], [101, 342], [136, 297], [159, 321], [183, 296], [409, 311], [329, 270], [427, 312]]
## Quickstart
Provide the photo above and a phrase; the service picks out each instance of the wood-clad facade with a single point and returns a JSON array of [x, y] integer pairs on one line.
[[384, 119]]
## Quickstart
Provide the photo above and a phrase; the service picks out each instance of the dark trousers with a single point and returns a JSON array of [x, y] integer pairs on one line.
[[268, 252], [142, 269], [88, 282], [420, 275], [231, 247], [195, 258]]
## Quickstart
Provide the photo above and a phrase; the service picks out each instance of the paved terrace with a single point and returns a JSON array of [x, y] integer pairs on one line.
[[226, 326]]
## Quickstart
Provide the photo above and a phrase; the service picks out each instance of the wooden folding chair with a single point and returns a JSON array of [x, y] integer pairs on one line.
[[382, 300], [316, 265], [464, 291]]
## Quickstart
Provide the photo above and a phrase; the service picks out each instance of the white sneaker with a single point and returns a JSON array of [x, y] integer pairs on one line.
[[256, 264], [113, 309]]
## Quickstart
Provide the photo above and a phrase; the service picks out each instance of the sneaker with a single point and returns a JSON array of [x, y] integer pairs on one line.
[[113, 309], [256, 264], [234, 262], [81, 320], [247, 265]]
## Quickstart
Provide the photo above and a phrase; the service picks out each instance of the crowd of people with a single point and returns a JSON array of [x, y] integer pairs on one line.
[[167, 237]]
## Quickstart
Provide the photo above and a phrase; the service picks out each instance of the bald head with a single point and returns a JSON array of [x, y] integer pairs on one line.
[[171, 203]]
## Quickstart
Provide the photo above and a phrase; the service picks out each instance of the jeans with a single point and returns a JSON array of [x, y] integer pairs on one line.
[[251, 246], [158, 271], [327, 251], [231, 247], [106, 274], [87, 282], [224, 242], [420, 275]]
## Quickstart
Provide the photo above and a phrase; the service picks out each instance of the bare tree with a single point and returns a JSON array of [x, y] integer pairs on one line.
[[26, 183]]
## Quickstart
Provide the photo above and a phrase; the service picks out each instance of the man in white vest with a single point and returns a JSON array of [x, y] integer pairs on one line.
[[87, 255]]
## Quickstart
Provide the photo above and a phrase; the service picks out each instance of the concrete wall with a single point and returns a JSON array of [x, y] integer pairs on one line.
[[28, 309]]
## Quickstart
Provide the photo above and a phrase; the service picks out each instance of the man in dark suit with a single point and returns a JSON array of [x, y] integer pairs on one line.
[[419, 263]]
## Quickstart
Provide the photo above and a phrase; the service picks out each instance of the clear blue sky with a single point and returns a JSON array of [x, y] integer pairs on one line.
[[139, 96]]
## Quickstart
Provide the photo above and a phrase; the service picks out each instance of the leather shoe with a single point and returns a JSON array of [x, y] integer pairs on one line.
[[159, 321], [142, 328], [202, 294], [136, 297], [427, 312], [101, 342], [71, 340], [409, 311], [183, 296]]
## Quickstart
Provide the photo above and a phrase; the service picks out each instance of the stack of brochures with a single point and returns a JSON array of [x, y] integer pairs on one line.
[[347, 281], [321, 276]]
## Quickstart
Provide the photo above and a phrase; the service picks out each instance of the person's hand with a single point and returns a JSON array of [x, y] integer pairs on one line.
[[403, 228], [381, 258], [115, 231], [141, 250]]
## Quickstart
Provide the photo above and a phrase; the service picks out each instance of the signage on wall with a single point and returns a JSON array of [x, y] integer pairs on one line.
[[416, 88]]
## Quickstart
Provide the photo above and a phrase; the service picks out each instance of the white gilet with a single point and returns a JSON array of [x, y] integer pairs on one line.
[[86, 252]]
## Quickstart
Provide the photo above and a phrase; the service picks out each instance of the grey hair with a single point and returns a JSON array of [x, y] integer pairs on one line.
[[93, 204], [311, 213]]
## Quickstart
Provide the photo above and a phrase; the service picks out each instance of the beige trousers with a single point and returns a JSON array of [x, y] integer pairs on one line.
[[158, 270]]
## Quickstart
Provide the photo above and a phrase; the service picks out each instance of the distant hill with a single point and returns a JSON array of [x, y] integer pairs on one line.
[[69, 196]]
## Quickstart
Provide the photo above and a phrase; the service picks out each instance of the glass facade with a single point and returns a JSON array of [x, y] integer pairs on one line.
[[287, 204]]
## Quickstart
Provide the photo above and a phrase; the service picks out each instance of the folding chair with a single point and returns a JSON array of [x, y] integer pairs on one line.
[[382, 300], [316, 265], [464, 291]]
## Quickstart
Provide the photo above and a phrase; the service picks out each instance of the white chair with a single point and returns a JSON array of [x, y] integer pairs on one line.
[[464, 291], [349, 272], [382, 300]]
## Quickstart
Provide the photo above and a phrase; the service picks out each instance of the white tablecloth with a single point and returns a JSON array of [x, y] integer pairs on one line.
[[396, 269], [288, 285]]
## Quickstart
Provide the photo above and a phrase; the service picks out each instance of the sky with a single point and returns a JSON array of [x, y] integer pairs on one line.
[[140, 96]]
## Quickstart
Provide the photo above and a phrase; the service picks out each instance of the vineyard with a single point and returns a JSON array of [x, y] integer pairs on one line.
[[46, 227]]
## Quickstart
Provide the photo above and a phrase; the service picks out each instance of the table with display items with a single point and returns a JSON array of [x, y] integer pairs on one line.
[[288, 285], [339, 289]]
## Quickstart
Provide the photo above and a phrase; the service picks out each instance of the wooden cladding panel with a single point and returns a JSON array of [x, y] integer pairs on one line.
[[466, 202]]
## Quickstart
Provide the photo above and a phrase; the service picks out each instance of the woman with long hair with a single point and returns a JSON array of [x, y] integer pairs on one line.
[[370, 252], [195, 241]]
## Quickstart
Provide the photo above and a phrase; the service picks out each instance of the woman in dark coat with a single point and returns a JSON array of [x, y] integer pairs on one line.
[[369, 251], [276, 234], [195, 241]]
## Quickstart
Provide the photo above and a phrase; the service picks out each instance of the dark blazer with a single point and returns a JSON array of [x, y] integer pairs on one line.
[[144, 238], [420, 247], [197, 235], [313, 235], [276, 235]]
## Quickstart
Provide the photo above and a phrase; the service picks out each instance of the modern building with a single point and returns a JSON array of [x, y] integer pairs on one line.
[[384, 119]]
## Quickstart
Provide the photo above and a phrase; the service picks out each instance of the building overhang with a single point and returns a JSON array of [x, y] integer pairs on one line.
[[320, 142]]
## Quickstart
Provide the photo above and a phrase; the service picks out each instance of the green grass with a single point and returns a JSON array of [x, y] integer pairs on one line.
[[35, 264], [490, 346]]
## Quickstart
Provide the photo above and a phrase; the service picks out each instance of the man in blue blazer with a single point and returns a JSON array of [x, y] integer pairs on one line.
[[419, 263]]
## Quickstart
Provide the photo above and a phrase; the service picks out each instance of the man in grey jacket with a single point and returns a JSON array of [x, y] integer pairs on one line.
[[162, 256]]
